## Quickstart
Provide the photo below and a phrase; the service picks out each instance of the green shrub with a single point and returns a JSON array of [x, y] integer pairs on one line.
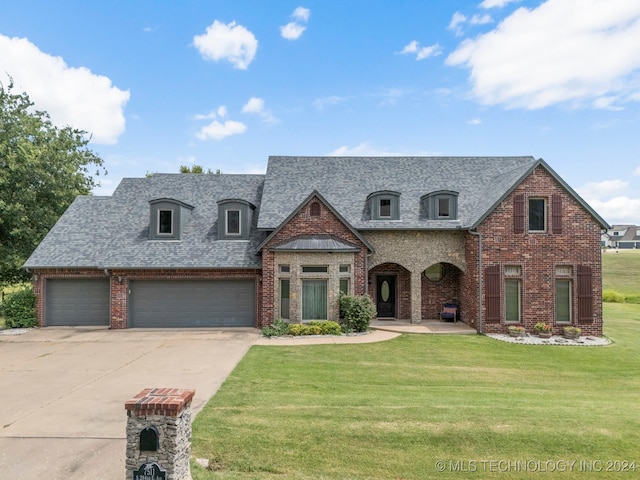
[[19, 309], [356, 312], [296, 329], [278, 328], [632, 299], [314, 329], [612, 296], [330, 328]]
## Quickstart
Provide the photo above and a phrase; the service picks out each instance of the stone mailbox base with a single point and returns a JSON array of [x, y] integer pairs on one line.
[[159, 434]]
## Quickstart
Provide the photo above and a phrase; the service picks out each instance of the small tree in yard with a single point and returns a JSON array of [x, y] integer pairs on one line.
[[19, 309], [356, 312]]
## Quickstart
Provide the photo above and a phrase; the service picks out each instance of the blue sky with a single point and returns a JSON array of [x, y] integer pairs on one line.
[[225, 84]]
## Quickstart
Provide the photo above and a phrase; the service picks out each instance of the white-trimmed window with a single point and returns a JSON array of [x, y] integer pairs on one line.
[[512, 294], [537, 214], [564, 287]]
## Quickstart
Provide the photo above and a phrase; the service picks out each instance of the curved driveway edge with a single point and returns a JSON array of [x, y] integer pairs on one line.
[[64, 389]]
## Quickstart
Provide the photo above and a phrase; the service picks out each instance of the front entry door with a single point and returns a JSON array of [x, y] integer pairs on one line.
[[386, 303]]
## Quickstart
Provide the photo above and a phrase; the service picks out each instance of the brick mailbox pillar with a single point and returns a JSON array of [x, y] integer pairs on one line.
[[159, 434]]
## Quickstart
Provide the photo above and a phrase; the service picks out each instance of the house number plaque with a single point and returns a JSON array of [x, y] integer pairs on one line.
[[150, 471]]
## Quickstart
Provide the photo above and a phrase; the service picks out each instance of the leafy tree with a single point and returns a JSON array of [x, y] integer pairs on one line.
[[42, 169], [197, 169]]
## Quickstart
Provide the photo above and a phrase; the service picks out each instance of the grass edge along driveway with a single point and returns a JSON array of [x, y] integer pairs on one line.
[[484, 408]]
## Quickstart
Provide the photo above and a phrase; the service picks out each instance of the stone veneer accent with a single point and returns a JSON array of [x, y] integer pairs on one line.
[[414, 251], [296, 261], [304, 223], [169, 411]]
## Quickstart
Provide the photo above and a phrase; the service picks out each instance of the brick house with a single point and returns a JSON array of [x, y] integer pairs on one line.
[[504, 237]]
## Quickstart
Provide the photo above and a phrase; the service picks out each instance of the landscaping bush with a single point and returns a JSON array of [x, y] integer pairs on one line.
[[278, 328], [19, 309], [356, 312], [296, 329], [327, 327], [612, 296], [314, 327]]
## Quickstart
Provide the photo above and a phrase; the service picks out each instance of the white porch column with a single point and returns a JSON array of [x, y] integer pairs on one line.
[[416, 297]]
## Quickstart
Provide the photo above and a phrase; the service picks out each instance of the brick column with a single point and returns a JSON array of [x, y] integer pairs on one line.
[[159, 434]]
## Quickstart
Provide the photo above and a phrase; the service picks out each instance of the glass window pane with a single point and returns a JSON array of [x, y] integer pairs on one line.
[[314, 299], [512, 300], [233, 222], [385, 207], [284, 299], [563, 301], [443, 207], [165, 222], [344, 286], [315, 269], [536, 215]]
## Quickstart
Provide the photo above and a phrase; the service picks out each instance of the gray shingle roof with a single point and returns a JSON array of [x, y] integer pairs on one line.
[[112, 232], [346, 182]]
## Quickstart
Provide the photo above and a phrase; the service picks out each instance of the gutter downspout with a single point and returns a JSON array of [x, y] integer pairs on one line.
[[479, 235]]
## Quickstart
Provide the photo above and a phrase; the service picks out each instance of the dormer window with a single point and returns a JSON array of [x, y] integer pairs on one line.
[[384, 205], [165, 222], [441, 205], [234, 219], [233, 222], [167, 218]]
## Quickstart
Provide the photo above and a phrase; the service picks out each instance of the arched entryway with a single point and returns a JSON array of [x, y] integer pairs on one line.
[[440, 284], [390, 289]]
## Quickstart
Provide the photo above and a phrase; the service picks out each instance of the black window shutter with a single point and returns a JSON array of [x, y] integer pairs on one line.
[[585, 294], [556, 213], [492, 293], [518, 214]]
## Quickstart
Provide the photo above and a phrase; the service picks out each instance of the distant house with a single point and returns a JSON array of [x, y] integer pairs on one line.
[[622, 236], [503, 237]]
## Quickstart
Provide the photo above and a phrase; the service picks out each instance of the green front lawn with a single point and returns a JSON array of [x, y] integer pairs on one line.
[[391, 410]]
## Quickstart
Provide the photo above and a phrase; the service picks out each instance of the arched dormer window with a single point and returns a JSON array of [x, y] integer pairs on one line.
[[167, 218], [384, 205], [441, 205], [234, 219]]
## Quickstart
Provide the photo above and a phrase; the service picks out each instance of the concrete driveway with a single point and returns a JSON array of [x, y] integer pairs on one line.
[[63, 390]]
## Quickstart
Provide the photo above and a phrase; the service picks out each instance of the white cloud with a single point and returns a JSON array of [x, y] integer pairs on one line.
[[72, 96], [230, 42], [609, 199], [256, 105], [618, 210], [637, 171], [216, 129], [481, 19], [321, 103], [365, 149], [294, 30], [220, 131], [594, 190], [496, 3], [302, 14], [456, 20], [474, 121], [421, 52], [587, 55]]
